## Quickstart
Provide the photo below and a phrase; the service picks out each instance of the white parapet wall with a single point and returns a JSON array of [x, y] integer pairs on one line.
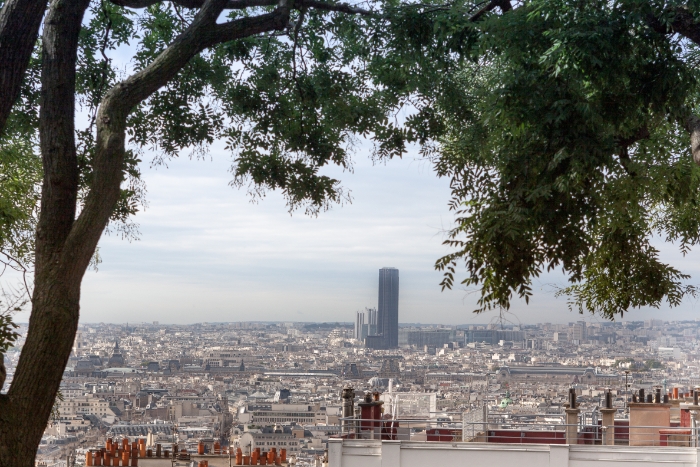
[[376, 453]]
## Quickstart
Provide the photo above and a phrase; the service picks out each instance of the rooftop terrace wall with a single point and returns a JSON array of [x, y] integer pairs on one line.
[[377, 453]]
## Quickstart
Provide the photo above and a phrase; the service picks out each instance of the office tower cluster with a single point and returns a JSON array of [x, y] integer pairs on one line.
[[379, 328], [365, 323]]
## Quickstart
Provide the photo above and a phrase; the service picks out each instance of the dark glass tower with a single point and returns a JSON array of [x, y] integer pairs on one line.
[[388, 309]]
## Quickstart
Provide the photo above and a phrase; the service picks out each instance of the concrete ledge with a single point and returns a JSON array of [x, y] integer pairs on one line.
[[376, 453]]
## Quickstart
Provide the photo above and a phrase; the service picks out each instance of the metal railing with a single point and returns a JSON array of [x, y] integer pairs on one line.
[[500, 430]]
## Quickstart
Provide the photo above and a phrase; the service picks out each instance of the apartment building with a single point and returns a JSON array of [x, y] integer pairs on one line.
[[269, 439], [283, 414], [84, 405]]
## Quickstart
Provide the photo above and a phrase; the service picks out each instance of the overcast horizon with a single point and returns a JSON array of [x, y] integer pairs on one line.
[[207, 254]]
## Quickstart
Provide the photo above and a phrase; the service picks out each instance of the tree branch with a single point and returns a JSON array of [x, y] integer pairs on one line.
[[119, 101], [504, 5], [339, 7], [242, 4], [640, 134], [230, 5], [683, 23], [693, 126], [625, 143]]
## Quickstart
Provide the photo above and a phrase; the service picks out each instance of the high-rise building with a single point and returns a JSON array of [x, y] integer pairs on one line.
[[578, 332], [359, 325], [371, 321], [388, 307], [365, 323], [422, 337]]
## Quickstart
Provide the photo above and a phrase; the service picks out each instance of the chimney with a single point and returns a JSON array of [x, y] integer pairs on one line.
[[647, 418], [608, 422], [608, 399], [370, 414], [348, 396], [572, 419]]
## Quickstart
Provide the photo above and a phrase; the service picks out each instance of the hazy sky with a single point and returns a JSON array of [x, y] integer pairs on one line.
[[206, 253]]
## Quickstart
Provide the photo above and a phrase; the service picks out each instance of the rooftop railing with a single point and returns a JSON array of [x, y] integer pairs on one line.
[[545, 430]]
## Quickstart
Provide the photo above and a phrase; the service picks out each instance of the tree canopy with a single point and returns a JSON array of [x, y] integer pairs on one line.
[[569, 130], [569, 146]]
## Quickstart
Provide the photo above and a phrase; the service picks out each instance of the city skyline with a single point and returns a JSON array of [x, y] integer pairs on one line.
[[196, 384]]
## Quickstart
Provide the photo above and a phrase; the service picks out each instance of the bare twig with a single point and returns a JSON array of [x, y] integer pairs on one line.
[[18, 266]]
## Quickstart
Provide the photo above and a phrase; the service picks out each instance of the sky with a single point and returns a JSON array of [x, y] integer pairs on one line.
[[207, 253]]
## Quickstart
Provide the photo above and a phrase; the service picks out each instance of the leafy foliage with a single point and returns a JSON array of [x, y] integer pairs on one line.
[[56, 408], [8, 335], [636, 366], [570, 151], [286, 104], [20, 164], [20, 171], [20, 177]]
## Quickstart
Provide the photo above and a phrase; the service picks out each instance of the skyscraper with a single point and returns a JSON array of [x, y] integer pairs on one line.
[[365, 323], [371, 315], [388, 307], [579, 334], [359, 325]]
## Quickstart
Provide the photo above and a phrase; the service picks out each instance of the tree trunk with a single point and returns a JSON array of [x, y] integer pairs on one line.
[[25, 410], [64, 245], [3, 371], [59, 270], [19, 28]]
